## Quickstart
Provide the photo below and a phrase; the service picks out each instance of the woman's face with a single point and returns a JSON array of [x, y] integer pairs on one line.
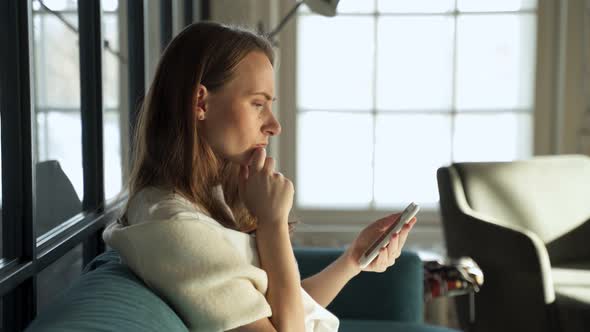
[[238, 116]]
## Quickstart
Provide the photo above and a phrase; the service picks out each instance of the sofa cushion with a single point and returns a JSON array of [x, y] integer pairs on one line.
[[572, 292], [108, 298], [573, 280]]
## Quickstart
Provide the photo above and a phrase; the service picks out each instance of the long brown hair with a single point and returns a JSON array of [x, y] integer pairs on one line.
[[168, 149]]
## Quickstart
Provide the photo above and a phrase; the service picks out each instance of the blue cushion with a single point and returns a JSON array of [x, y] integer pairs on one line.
[[108, 298]]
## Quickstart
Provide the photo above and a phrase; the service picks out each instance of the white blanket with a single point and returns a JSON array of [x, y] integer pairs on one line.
[[209, 274]]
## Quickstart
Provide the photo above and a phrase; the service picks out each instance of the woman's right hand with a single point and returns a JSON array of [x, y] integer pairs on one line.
[[267, 194]]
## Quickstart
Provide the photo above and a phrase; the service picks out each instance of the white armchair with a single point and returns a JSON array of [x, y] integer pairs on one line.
[[527, 225]]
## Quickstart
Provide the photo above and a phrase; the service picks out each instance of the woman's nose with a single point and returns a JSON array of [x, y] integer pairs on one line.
[[272, 127]]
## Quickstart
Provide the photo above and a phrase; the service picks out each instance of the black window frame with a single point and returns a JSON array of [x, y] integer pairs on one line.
[[25, 255]]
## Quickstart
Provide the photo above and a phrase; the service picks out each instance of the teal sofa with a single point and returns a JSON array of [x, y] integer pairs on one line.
[[109, 297]]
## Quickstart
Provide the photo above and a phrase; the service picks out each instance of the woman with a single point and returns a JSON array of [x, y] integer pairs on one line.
[[206, 223]]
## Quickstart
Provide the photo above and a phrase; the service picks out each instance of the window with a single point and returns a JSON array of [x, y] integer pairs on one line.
[[57, 105], [51, 49], [113, 108], [404, 88], [58, 126]]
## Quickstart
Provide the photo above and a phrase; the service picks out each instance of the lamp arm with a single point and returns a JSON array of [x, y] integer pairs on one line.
[[285, 19]]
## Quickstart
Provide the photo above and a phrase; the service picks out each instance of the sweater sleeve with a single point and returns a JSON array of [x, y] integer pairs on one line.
[[195, 269]]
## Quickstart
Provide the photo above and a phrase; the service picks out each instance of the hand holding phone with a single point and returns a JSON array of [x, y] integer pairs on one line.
[[373, 251]]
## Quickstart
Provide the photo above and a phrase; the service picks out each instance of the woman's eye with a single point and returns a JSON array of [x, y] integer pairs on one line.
[[259, 106]]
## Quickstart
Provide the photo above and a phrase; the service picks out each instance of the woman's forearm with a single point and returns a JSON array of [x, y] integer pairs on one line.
[[284, 284], [325, 285]]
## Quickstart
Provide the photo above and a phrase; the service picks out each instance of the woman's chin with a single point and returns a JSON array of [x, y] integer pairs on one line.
[[241, 159]]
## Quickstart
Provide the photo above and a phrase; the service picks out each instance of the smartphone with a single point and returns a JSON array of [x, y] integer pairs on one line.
[[373, 251]]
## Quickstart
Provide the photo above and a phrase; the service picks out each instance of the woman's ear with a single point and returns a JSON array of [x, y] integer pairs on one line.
[[200, 102]]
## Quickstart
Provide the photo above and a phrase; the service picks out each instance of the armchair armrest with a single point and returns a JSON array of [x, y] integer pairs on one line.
[[518, 287], [496, 244], [396, 294]]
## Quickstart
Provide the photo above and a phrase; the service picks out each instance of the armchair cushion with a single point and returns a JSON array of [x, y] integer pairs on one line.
[[572, 283]]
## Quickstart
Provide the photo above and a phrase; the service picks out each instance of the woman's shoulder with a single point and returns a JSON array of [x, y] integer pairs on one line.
[[157, 204], [161, 216]]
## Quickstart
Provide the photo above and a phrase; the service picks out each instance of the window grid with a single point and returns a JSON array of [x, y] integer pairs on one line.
[[24, 255], [372, 204], [42, 105], [454, 83], [452, 112], [70, 16]]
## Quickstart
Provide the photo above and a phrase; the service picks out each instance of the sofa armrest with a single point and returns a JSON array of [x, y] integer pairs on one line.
[[396, 294]]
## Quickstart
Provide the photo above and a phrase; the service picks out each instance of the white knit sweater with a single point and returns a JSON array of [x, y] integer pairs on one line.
[[208, 273]]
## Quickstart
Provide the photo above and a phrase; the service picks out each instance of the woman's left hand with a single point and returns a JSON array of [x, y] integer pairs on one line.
[[387, 255]]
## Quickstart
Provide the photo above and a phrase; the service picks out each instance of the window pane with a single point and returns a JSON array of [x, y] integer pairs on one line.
[[496, 5], [414, 63], [347, 6], [492, 137], [58, 136], [110, 5], [57, 5], [409, 150], [334, 153], [112, 153], [57, 277], [110, 73], [356, 6], [112, 105], [326, 50], [415, 6], [57, 61], [495, 61]]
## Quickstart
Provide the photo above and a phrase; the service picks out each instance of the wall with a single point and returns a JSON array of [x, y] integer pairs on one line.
[[562, 119]]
